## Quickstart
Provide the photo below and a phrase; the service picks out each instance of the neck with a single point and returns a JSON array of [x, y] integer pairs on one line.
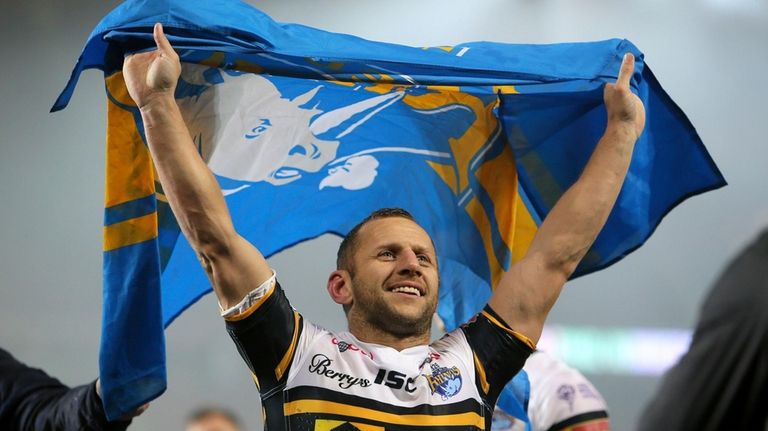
[[369, 333]]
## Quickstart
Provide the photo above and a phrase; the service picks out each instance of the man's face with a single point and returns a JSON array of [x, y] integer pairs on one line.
[[395, 278]]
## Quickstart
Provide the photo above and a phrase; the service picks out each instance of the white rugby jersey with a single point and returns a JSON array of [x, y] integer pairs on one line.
[[562, 399], [310, 378]]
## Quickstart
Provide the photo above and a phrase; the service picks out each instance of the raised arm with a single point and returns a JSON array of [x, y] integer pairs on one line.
[[234, 266], [526, 293]]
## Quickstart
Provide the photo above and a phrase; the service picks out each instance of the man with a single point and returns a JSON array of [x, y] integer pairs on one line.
[[32, 400], [722, 381], [383, 373], [562, 399], [212, 419]]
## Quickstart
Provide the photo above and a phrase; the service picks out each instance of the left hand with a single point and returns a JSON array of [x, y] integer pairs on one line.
[[624, 107], [128, 416]]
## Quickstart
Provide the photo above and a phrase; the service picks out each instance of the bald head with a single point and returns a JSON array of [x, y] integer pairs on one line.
[[211, 419]]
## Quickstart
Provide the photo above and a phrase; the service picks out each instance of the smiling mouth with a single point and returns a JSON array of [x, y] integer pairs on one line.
[[408, 290]]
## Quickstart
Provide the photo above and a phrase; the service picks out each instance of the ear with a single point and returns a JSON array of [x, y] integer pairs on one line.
[[340, 287]]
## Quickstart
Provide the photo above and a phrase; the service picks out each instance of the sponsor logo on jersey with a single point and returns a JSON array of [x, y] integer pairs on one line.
[[567, 393], [321, 365], [343, 346], [586, 391], [444, 381], [395, 380], [433, 356]]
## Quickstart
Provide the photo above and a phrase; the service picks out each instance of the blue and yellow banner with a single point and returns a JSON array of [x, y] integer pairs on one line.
[[309, 131]]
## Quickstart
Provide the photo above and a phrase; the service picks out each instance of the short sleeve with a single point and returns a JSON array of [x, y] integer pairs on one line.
[[498, 352], [266, 334]]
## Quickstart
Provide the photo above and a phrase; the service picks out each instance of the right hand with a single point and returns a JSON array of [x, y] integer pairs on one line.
[[152, 74]]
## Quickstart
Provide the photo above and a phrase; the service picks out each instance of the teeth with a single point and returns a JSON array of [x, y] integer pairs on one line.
[[407, 289]]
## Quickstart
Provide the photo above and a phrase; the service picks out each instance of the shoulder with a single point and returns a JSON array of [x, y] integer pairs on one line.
[[560, 394], [548, 375]]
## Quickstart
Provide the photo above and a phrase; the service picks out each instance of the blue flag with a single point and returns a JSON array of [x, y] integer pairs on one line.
[[513, 401], [308, 131]]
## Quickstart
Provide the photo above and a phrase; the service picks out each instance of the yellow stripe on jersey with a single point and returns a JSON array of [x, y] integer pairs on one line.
[[256, 380], [255, 306], [283, 365], [330, 407], [330, 425], [481, 373], [512, 332]]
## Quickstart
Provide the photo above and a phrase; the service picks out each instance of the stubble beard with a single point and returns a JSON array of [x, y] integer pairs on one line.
[[379, 313]]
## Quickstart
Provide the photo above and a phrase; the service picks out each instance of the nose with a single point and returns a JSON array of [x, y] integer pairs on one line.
[[409, 263]]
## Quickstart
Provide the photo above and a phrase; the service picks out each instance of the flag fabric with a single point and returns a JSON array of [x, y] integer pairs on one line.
[[513, 401], [308, 131]]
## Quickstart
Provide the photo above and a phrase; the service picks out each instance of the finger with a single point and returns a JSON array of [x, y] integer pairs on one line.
[[626, 70], [162, 42]]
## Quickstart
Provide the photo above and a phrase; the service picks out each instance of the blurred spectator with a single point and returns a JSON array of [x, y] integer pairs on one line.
[[213, 419], [561, 399], [30, 400], [721, 383]]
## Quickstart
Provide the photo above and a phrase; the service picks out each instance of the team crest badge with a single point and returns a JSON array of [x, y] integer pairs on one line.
[[444, 381]]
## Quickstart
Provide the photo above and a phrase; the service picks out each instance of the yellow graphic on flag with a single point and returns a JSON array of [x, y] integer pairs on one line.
[[130, 172]]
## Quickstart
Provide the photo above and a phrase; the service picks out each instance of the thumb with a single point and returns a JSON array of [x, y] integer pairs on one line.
[[163, 45]]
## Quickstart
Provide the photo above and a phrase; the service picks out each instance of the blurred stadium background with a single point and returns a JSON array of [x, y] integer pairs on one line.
[[622, 327]]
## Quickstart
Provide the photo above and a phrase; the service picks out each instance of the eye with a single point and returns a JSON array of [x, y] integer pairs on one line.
[[424, 258], [386, 254]]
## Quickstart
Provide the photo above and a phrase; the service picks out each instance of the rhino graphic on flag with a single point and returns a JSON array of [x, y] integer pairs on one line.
[[248, 131]]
